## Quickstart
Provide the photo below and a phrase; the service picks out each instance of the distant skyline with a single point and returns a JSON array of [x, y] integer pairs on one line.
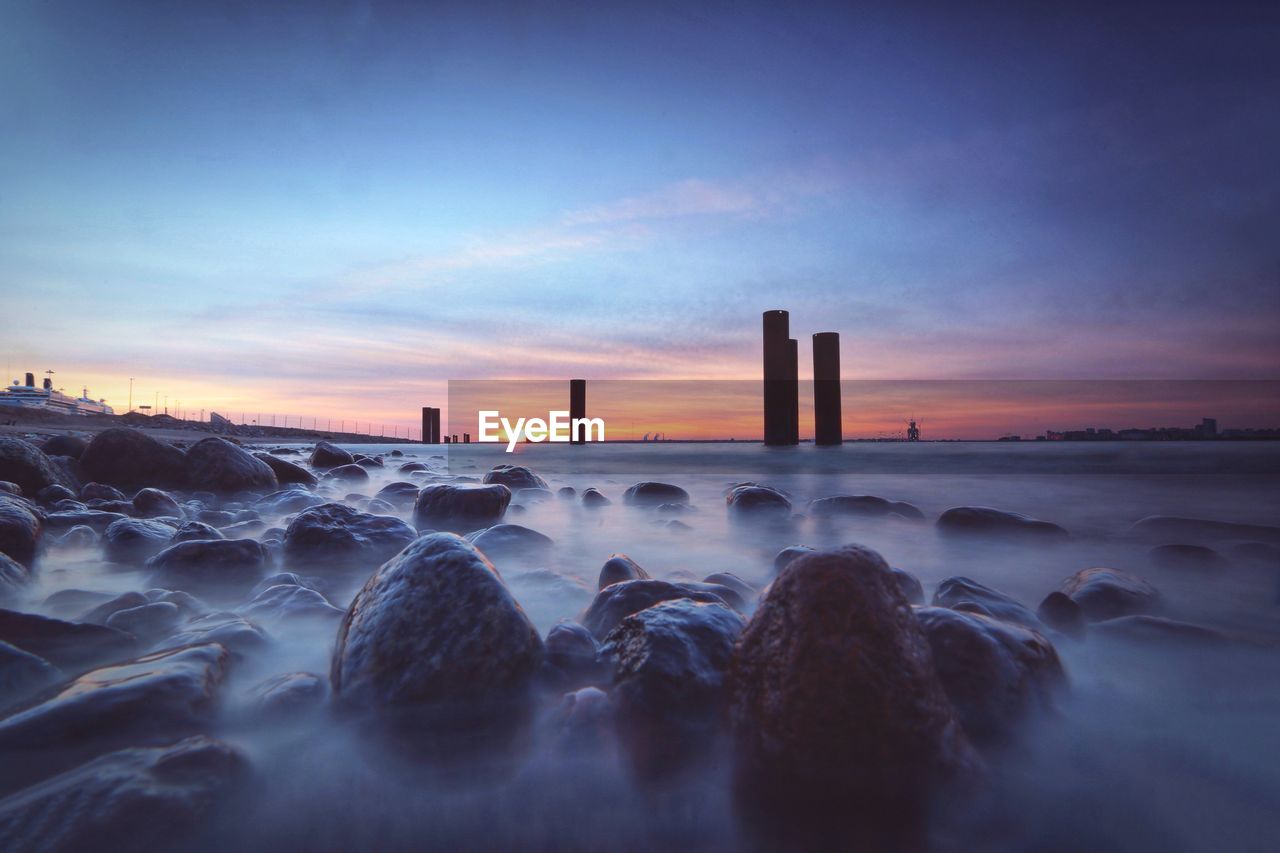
[[331, 209]]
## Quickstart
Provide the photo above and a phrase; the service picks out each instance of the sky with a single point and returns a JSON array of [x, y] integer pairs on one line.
[[329, 210]]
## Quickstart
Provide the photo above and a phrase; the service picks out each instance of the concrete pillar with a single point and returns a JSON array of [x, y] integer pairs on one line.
[[827, 426], [777, 430], [577, 408]]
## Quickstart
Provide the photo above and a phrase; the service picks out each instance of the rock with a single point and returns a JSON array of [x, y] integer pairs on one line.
[[728, 579], [217, 517], [855, 506], [283, 578], [14, 578], [186, 602], [592, 499], [286, 472], [289, 694], [138, 799], [1108, 593], [54, 494], [532, 496], [154, 503], [23, 463], [71, 446], [410, 467], [400, 495], [288, 602], [20, 530], [583, 722], [22, 674], [133, 540], [653, 494], [326, 455], [218, 465], [965, 594], [1260, 553], [131, 459], [512, 542], [619, 568], [618, 601], [150, 621], [435, 643], [80, 536], [10, 488], [515, 477], [68, 645], [368, 461], [100, 492], [670, 662], [443, 506], [994, 522], [288, 501], [1144, 628], [910, 585], [1059, 612], [122, 507], [753, 500], [91, 518], [334, 535], [572, 656], [100, 613], [995, 673], [235, 634], [352, 473], [789, 555], [841, 724], [217, 569], [566, 493], [1200, 530], [244, 529], [1187, 558], [193, 531], [66, 603]]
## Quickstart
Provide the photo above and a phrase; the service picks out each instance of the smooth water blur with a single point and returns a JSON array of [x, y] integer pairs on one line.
[[1157, 745]]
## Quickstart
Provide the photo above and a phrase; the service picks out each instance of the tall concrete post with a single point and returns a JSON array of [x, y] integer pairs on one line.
[[793, 391], [430, 425], [827, 426], [777, 429], [577, 408]]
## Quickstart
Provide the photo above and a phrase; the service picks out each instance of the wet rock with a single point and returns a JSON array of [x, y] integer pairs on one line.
[[71, 446], [566, 493], [965, 594], [290, 694], [93, 519], [352, 473], [410, 467], [10, 488], [232, 632], [217, 569], [131, 459], [192, 531], [668, 692], [134, 540], [546, 595], [1260, 553], [100, 613], [861, 506], [444, 506], [512, 542], [22, 674], [100, 492], [326, 455], [995, 673], [1157, 630], [155, 503], [1187, 558], [217, 465], [619, 568], [435, 643], [139, 799], [840, 721], [149, 621], [1108, 593], [288, 501], [23, 463], [52, 495], [66, 506], [244, 529], [728, 579], [653, 494], [14, 578], [289, 602], [68, 603], [1200, 530], [593, 499], [122, 507], [994, 522], [287, 472], [217, 517], [284, 578], [532, 496], [184, 601], [69, 645], [910, 585], [754, 500], [618, 601], [369, 461], [583, 721], [334, 535], [789, 555], [400, 495], [1059, 612], [572, 657], [20, 530], [515, 477], [80, 536]]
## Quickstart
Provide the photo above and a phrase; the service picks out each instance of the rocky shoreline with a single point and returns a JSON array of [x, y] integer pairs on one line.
[[849, 707]]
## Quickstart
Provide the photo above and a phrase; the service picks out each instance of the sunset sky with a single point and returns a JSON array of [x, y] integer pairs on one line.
[[331, 209]]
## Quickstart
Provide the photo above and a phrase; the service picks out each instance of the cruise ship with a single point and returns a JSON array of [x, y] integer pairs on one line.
[[29, 396]]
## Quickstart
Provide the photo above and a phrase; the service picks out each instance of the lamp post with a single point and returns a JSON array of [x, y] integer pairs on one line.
[[131, 393]]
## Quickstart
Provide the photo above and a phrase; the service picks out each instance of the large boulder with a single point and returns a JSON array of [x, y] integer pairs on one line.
[[1109, 593], [654, 494], [286, 472], [512, 542], [217, 569], [861, 506], [217, 465], [400, 494], [72, 446], [70, 645], [670, 662], [995, 673], [134, 540], [841, 724], [961, 593], [137, 799], [983, 520], [334, 535], [130, 459], [617, 601], [619, 568], [436, 644], [21, 527], [750, 499], [515, 477], [23, 463], [326, 455], [460, 508]]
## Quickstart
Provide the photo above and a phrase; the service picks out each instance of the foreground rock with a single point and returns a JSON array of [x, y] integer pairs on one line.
[[995, 673], [217, 569], [69, 645], [334, 535], [23, 463], [434, 643], [326, 455], [618, 601], [286, 472], [670, 662], [130, 459], [132, 541], [65, 445], [984, 520], [217, 465], [754, 501], [619, 568], [20, 530], [515, 477], [461, 508], [140, 799], [654, 494], [864, 506], [1108, 593], [841, 725], [21, 674]]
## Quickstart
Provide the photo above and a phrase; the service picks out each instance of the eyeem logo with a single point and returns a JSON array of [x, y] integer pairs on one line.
[[557, 427]]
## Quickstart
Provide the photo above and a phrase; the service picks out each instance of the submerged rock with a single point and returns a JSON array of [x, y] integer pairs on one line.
[[288, 501], [289, 694], [288, 602], [287, 472], [352, 473], [55, 495], [334, 535], [515, 477], [155, 503], [14, 578], [1060, 612], [101, 492], [854, 506], [572, 656], [193, 531], [218, 465], [95, 520], [212, 568], [20, 530], [326, 455], [755, 500], [618, 601], [232, 632], [1145, 628], [26, 465], [592, 499], [22, 674], [131, 459], [133, 541], [69, 645], [654, 494], [100, 613], [995, 522], [968, 595], [80, 536], [1187, 558], [1200, 530], [619, 568], [1108, 593], [400, 495], [71, 446], [443, 506], [151, 621], [512, 542], [789, 555], [842, 726]]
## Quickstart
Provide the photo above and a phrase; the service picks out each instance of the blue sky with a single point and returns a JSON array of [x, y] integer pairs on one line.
[[267, 205]]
